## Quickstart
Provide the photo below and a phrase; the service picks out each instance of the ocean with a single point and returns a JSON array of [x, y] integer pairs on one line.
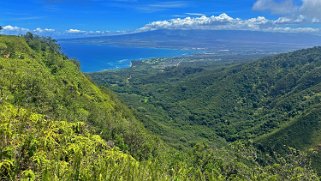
[[94, 58]]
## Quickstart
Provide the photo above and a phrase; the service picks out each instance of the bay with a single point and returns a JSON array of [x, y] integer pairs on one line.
[[99, 57]]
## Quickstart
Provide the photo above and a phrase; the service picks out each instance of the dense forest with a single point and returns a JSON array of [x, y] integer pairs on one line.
[[56, 124], [237, 100], [273, 102]]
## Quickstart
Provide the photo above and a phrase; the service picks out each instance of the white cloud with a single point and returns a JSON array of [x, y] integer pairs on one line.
[[14, 28], [41, 30], [74, 31], [9, 29], [189, 22], [307, 10], [283, 20], [279, 7], [226, 22], [293, 30], [311, 9], [294, 20]]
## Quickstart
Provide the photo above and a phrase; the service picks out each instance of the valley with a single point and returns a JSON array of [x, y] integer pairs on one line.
[[55, 123], [272, 101], [160, 90]]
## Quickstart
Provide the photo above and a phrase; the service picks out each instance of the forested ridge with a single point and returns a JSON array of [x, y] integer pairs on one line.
[[56, 124], [273, 101]]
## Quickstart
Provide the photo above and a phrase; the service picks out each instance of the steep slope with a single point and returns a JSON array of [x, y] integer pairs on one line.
[[258, 97], [274, 101], [34, 75]]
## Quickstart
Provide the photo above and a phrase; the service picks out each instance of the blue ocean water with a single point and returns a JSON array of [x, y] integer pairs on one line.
[[95, 58]]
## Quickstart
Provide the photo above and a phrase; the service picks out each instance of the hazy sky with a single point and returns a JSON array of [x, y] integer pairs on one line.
[[101, 17]]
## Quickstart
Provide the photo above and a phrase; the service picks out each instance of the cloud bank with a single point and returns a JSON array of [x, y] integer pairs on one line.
[[226, 22], [72, 32], [14, 30], [10, 28]]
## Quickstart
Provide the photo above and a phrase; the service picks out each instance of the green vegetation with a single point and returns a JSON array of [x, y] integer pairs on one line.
[[274, 101], [154, 89], [55, 124], [34, 148], [45, 82]]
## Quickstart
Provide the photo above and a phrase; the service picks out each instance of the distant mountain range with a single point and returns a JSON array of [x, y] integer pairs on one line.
[[234, 40]]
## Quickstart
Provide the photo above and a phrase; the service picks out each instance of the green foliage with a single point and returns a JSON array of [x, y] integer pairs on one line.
[[275, 100], [41, 43], [34, 147], [47, 83], [55, 124]]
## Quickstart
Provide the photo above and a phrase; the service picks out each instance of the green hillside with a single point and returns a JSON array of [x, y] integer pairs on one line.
[[55, 124], [274, 101], [38, 87], [36, 76]]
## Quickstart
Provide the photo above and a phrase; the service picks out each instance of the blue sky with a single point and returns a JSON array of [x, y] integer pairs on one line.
[[63, 18]]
